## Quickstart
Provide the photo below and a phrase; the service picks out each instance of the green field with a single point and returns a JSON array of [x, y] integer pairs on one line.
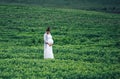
[[87, 43], [112, 6]]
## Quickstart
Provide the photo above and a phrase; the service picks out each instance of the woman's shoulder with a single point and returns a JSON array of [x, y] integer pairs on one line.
[[45, 34]]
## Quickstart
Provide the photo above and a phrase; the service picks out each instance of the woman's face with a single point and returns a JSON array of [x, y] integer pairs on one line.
[[48, 32]]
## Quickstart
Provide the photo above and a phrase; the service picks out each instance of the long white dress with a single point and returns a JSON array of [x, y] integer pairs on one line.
[[48, 51]]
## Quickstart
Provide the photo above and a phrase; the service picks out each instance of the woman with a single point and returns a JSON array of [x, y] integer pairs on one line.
[[48, 42]]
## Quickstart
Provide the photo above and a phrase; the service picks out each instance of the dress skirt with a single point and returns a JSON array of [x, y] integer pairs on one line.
[[48, 52]]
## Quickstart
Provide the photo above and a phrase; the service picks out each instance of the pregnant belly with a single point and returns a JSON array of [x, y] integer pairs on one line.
[[50, 41]]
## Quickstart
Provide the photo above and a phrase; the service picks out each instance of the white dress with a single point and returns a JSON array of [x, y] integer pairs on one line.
[[48, 51]]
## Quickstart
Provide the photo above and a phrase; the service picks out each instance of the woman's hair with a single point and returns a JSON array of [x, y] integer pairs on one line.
[[48, 29]]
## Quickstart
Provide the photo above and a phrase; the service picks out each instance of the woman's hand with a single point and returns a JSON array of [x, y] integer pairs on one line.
[[49, 44]]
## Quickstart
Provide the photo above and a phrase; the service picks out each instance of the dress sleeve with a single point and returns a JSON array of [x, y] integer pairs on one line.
[[45, 38]]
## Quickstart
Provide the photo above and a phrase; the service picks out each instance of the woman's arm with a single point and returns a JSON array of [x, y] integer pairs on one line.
[[45, 38]]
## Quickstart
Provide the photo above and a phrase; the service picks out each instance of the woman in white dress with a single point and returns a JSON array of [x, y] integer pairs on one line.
[[48, 42]]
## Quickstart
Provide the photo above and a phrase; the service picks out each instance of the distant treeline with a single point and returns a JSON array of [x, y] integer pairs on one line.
[[96, 5]]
